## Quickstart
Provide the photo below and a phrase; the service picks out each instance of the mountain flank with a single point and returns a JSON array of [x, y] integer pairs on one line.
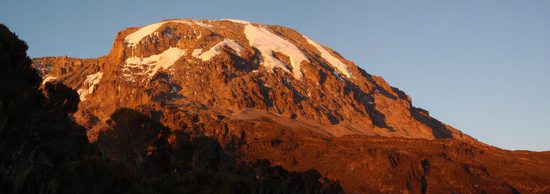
[[267, 92]]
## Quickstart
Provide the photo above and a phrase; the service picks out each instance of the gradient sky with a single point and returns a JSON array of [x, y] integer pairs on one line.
[[480, 66]]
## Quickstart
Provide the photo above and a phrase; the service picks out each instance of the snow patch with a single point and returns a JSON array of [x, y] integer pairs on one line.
[[151, 65], [215, 50], [134, 38], [342, 68], [196, 53], [200, 35], [236, 21], [48, 79], [89, 85], [267, 42], [196, 22]]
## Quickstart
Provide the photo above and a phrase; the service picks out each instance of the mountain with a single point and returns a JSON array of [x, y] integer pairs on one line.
[[42, 149], [268, 92], [229, 66]]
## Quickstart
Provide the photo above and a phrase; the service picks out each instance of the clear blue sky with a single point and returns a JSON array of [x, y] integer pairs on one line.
[[480, 66]]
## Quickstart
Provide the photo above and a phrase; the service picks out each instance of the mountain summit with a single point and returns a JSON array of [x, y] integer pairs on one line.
[[230, 66], [276, 94]]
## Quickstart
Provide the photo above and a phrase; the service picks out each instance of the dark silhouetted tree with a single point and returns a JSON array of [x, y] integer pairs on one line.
[[37, 138]]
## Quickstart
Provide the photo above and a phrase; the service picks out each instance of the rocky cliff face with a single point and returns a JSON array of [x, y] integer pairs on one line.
[[227, 66], [278, 95]]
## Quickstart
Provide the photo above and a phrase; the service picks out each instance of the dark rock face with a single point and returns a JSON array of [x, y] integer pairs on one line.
[[315, 110]]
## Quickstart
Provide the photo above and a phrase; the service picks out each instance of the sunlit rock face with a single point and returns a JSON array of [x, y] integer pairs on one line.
[[276, 94], [229, 65]]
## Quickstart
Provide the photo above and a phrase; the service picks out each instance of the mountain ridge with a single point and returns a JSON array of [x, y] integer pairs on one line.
[[275, 94], [127, 54]]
